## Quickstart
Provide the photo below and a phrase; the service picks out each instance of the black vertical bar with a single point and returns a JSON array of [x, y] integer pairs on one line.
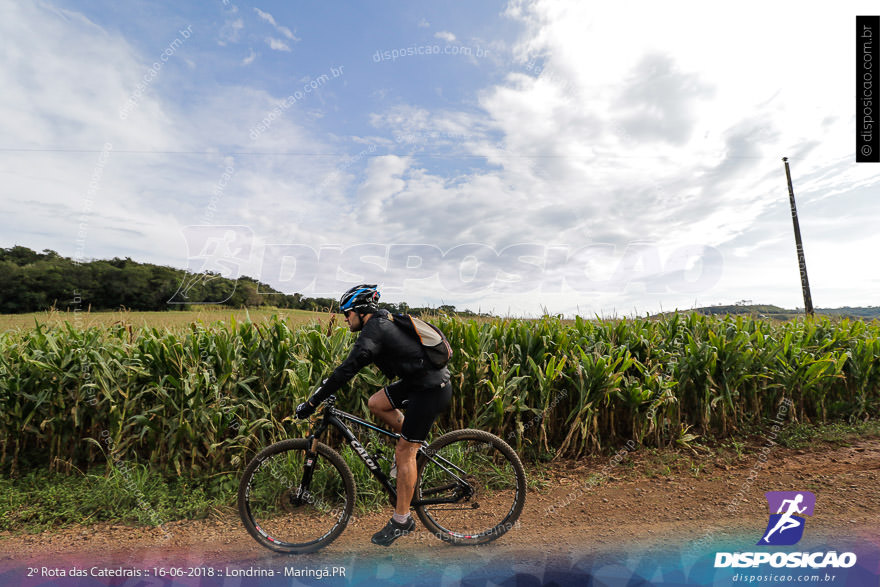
[[867, 89], [802, 262]]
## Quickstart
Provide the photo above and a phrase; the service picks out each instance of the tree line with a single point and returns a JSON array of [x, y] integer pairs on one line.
[[34, 282]]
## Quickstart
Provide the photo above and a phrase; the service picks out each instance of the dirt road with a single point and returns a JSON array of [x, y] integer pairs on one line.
[[648, 502]]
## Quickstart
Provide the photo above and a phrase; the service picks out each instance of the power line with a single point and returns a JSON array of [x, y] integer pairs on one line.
[[145, 152], [501, 154]]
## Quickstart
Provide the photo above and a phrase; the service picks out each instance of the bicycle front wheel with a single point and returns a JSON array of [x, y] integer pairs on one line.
[[288, 513], [473, 485]]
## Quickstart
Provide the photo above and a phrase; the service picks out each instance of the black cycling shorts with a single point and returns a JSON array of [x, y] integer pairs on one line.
[[423, 402]]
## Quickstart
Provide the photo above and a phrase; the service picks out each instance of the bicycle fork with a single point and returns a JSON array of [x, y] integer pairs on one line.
[[301, 495]]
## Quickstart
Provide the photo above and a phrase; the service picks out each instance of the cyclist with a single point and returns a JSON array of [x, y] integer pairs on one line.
[[422, 389]]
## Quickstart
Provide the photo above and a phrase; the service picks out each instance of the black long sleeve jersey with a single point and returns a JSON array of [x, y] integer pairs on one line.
[[391, 349]]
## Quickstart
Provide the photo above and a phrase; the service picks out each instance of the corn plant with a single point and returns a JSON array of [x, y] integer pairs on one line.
[[203, 397]]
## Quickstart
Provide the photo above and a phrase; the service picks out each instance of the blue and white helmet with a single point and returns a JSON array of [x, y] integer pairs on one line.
[[362, 299]]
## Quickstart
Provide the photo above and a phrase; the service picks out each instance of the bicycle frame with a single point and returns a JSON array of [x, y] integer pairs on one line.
[[335, 417]]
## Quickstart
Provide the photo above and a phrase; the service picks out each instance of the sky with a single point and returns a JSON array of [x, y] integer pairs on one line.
[[507, 157]]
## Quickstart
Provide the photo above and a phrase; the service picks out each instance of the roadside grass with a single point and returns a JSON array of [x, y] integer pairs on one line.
[[798, 436], [134, 495], [40, 500], [706, 460]]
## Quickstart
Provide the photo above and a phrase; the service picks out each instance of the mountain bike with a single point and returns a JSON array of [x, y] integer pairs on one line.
[[298, 495]]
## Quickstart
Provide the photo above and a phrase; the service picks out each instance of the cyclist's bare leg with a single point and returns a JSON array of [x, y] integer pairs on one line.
[[382, 409], [405, 454]]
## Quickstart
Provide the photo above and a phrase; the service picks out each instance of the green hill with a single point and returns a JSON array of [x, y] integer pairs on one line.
[[777, 313], [35, 282]]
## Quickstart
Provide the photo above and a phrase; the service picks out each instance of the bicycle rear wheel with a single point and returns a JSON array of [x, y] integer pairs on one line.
[[478, 485], [285, 515]]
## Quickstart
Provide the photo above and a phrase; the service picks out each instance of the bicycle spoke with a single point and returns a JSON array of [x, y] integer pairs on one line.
[[482, 501], [284, 513]]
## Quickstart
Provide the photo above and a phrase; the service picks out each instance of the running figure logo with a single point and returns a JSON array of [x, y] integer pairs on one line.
[[786, 526]]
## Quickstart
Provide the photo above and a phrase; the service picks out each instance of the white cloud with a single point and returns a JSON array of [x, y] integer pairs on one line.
[[383, 180], [445, 35], [266, 16], [149, 187], [231, 31], [277, 44], [664, 135], [613, 142], [271, 20], [423, 23]]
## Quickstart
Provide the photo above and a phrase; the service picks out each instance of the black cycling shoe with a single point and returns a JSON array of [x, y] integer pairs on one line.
[[392, 531]]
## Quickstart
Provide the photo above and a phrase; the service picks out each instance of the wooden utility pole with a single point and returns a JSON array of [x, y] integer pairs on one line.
[[802, 263]]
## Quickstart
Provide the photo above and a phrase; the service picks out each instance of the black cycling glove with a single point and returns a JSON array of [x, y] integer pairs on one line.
[[305, 409], [308, 407]]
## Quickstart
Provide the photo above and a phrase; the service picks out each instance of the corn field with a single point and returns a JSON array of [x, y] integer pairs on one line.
[[203, 399]]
